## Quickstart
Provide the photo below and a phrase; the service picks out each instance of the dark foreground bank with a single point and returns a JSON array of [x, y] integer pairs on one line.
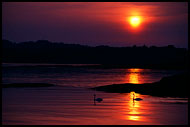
[[172, 86]]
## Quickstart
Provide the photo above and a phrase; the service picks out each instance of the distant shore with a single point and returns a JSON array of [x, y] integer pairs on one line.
[[98, 66], [172, 86], [152, 57]]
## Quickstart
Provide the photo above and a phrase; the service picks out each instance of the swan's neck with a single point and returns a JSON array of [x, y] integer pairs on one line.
[[133, 96]]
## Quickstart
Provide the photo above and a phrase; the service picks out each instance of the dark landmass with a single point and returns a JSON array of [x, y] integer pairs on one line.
[[18, 85], [43, 51], [172, 86]]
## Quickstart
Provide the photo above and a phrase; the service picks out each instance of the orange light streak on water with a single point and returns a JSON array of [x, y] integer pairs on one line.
[[134, 109], [134, 76]]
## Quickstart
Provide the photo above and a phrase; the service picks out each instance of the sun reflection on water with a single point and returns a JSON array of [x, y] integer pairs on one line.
[[134, 75], [134, 113], [133, 78]]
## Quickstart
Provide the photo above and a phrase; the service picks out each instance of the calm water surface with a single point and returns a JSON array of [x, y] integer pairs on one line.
[[71, 102], [79, 77], [75, 106]]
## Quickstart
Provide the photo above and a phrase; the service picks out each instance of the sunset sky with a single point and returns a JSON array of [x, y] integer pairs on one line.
[[97, 23]]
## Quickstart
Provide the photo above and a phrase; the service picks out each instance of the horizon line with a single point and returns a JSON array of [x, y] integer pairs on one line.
[[58, 42]]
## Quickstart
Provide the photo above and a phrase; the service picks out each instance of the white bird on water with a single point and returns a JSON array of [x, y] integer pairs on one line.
[[136, 99], [96, 99]]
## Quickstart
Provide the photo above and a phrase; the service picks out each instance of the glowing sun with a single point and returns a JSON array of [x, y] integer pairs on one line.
[[135, 21]]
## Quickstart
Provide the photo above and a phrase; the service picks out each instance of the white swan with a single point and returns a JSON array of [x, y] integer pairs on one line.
[[97, 99], [136, 99]]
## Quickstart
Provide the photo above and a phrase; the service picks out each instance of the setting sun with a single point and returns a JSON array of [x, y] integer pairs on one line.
[[135, 21]]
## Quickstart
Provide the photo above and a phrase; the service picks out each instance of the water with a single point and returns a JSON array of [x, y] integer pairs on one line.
[[71, 102], [75, 106], [79, 77]]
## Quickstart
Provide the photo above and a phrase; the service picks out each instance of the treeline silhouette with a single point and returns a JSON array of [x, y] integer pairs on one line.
[[43, 51]]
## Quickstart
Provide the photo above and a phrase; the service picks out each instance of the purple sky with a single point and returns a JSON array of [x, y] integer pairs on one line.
[[97, 23]]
